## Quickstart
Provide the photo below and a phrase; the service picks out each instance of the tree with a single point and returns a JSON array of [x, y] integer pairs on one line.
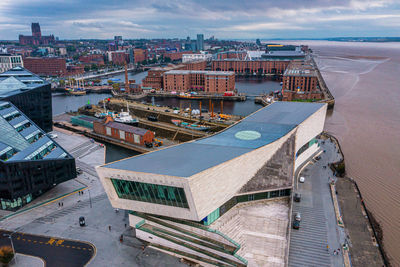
[[6, 255], [115, 86], [86, 68], [167, 59]]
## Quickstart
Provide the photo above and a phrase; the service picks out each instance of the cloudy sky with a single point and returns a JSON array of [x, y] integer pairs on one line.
[[228, 19]]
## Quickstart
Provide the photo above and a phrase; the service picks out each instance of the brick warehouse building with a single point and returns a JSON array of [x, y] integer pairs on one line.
[[300, 82], [204, 81], [49, 66], [154, 78], [97, 59], [126, 133], [251, 66]]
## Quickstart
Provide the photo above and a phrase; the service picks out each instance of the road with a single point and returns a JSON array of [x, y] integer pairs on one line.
[[54, 251], [318, 228]]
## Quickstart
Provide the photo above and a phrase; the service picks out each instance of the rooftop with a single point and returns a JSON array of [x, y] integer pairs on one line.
[[200, 72], [21, 139], [259, 129], [17, 80], [300, 69]]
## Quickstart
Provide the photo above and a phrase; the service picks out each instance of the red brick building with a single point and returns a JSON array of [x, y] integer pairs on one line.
[[196, 65], [176, 55], [300, 82], [97, 59], [119, 57], [154, 78], [126, 133], [251, 66], [232, 55], [36, 38], [73, 70], [203, 81], [139, 55], [46, 66]]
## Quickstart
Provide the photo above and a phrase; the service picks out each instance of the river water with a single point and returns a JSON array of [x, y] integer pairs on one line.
[[365, 81]]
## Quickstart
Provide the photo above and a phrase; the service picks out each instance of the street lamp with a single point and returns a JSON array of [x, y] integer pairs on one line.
[[12, 245]]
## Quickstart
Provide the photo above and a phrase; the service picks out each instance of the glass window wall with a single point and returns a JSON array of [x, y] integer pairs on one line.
[[153, 193]]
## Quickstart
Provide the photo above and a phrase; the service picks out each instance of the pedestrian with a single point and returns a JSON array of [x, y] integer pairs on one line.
[[125, 225], [59, 204], [109, 228], [338, 250], [327, 247], [62, 204], [334, 252]]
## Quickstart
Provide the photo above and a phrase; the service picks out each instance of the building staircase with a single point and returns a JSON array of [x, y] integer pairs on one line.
[[190, 240]]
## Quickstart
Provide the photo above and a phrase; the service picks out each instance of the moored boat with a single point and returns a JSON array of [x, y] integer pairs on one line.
[[193, 126]]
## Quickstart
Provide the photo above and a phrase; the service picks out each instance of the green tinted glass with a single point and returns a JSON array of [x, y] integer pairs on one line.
[[153, 193]]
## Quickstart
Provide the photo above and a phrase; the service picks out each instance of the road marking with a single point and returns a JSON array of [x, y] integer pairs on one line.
[[72, 247], [34, 241], [23, 239], [62, 245], [78, 247], [67, 246], [84, 248], [40, 242], [51, 241], [29, 240]]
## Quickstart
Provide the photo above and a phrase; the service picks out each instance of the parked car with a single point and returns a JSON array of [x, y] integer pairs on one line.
[[302, 179], [52, 135], [297, 197], [148, 145], [297, 216], [82, 221], [296, 224]]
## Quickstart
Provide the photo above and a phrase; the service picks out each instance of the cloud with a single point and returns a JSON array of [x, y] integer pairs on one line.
[[179, 18]]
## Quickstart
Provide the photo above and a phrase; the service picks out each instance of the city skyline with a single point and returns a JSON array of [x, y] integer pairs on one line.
[[224, 20]]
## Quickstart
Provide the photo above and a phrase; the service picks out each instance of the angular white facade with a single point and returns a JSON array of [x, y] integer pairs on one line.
[[212, 170]]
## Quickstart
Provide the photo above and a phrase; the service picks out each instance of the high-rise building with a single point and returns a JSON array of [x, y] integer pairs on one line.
[[36, 30], [200, 42], [118, 40], [30, 94], [30, 161]]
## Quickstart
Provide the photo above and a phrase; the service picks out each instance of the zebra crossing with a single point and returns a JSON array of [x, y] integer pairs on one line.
[[61, 213]]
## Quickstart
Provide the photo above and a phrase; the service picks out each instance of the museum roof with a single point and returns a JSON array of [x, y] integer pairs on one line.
[[259, 129]]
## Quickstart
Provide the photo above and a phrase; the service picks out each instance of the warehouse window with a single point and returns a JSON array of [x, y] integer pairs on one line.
[[153, 193]]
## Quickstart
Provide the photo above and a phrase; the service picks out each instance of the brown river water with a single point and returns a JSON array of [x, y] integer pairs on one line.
[[365, 81]]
